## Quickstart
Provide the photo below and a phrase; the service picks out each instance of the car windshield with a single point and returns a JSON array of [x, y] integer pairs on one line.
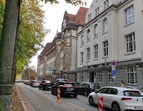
[[95, 86], [132, 93]]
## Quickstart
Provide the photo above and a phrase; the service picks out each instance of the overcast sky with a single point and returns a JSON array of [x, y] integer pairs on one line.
[[53, 20]]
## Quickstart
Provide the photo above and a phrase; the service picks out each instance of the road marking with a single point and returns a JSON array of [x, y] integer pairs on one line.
[[75, 106]]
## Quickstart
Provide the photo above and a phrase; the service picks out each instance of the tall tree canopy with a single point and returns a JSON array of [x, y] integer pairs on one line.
[[31, 33]]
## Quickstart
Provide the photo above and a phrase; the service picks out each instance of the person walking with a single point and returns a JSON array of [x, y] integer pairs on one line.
[[122, 84]]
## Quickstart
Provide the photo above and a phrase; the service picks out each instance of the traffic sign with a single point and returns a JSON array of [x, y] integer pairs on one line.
[[114, 74], [113, 69]]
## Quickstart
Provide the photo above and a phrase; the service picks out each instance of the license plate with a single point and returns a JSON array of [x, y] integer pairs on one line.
[[138, 107], [70, 89]]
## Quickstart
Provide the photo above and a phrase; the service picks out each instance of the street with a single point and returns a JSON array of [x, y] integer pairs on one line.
[[39, 100]]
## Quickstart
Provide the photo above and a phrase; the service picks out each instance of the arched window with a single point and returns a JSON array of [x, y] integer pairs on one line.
[[105, 25], [88, 34], [95, 30]]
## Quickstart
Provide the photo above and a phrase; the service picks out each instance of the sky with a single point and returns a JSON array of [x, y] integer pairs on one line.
[[53, 17]]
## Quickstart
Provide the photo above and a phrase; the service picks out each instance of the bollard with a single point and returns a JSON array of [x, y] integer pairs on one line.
[[100, 103], [58, 95]]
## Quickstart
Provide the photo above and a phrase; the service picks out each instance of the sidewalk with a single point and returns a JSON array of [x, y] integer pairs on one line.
[[16, 104]]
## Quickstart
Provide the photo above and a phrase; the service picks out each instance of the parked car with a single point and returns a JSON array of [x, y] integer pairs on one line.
[[35, 83], [61, 79], [118, 98], [66, 88], [45, 85], [26, 82], [85, 88]]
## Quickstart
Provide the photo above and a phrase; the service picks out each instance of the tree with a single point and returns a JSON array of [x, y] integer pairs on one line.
[[31, 33], [8, 49]]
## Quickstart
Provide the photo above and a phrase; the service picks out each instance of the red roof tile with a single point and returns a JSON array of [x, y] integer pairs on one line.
[[80, 16]]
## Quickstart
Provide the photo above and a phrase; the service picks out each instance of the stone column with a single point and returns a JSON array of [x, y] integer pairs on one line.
[[7, 52]]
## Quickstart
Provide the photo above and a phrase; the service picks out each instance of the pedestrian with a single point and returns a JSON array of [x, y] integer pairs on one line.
[[122, 84]]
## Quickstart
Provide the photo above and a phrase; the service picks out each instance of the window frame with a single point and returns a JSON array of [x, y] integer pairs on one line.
[[88, 35], [96, 31], [130, 43], [105, 48], [100, 76], [81, 57], [96, 51], [105, 25], [110, 79], [129, 15], [131, 75], [88, 53], [82, 41]]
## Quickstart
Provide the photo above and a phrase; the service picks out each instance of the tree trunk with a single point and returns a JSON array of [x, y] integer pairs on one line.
[[7, 52]]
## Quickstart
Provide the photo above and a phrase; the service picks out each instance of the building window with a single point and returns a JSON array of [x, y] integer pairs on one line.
[[105, 25], [82, 41], [88, 35], [81, 57], [129, 15], [88, 53], [89, 17], [106, 4], [100, 76], [105, 48], [96, 51], [110, 79], [96, 31], [62, 59], [132, 75], [130, 43], [97, 11]]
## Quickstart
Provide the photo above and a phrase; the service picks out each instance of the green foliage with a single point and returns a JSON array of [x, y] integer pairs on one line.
[[73, 2], [31, 31], [30, 34], [1, 14]]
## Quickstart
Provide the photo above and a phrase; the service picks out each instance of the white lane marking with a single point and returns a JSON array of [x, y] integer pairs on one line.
[[75, 106]]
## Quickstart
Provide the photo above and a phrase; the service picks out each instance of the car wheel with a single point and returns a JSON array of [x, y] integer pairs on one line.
[[115, 107], [85, 93], [75, 95], [39, 87], [90, 100]]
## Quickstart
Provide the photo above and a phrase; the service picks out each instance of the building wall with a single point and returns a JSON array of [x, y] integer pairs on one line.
[[117, 30]]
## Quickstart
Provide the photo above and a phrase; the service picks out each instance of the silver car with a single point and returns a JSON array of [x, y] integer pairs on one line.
[[118, 98]]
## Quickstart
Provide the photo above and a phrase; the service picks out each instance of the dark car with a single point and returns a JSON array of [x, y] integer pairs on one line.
[[45, 85], [66, 88], [85, 88]]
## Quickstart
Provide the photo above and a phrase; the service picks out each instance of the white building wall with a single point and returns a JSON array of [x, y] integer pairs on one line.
[[115, 35], [135, 27]]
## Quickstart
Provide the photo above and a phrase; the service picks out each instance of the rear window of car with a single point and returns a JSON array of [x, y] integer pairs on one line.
[[95, 86], [69, 84], [131, 93]]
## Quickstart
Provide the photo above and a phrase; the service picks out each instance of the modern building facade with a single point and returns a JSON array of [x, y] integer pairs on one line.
[[110, 43]]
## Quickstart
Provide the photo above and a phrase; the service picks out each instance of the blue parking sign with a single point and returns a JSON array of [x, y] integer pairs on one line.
[[113, 73]]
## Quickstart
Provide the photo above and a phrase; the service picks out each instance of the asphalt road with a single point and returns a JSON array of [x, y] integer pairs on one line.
[[34, 99]]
